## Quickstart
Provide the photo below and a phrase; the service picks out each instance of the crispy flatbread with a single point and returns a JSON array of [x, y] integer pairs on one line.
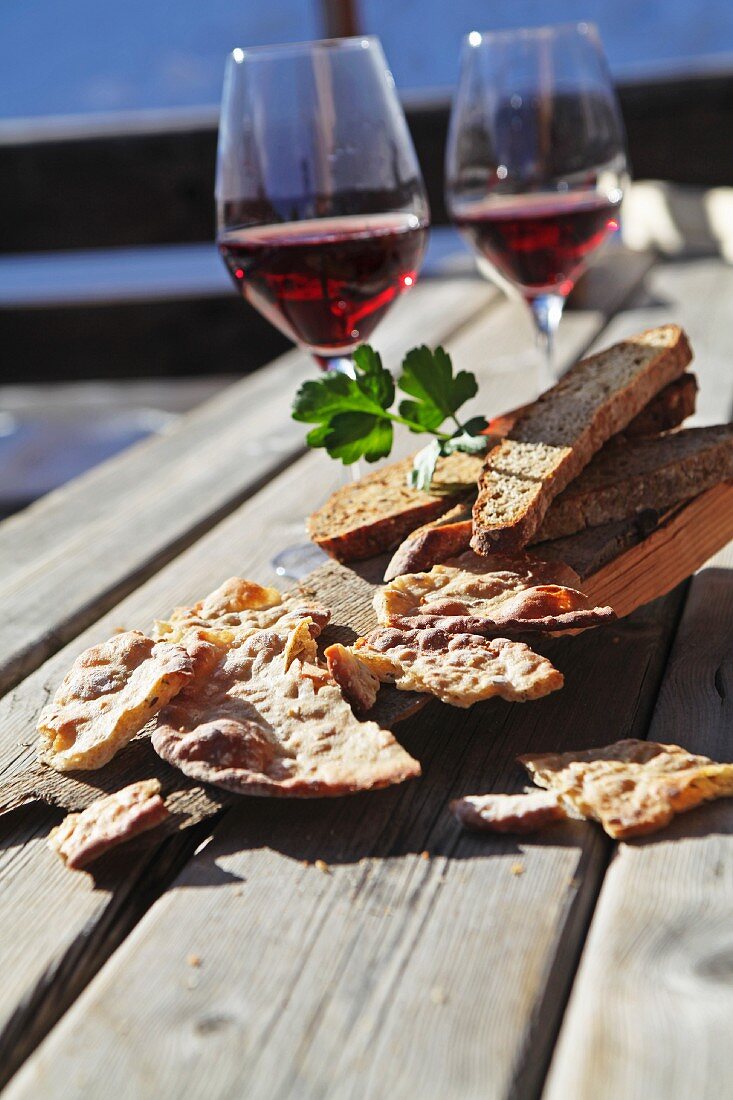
[[268, 720], [509, 813], [358, 683], [489, 595], [83, 837], [236, 608], [631, 787], [460, 669], [109, 694]]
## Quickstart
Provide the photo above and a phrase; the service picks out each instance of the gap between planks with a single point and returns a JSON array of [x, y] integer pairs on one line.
[[650, 1011]]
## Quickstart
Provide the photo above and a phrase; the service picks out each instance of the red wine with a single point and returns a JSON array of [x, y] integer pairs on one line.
[[539, 242], [326, 282]]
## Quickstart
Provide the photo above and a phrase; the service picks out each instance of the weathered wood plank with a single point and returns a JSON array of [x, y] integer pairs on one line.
[[274, 516], [392, 973], [73, 555], [651, 1008]]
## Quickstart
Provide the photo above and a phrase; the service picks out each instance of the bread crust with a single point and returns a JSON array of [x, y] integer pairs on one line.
[[559, 434]]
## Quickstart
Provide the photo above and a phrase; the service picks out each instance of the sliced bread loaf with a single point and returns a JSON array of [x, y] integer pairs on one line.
[[376, 512], [625, 479], [560, 432]]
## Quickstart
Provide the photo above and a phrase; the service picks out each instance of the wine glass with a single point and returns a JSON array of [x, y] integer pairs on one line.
[[536, 161], [322, 215], [321, 209]]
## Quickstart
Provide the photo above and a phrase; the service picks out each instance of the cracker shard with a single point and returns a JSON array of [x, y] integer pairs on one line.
[[108, 695], [235, 609], [107, 822], [269, 721], [509, 813], [470, 594], [460, 669], [358, 683], [631, 787]]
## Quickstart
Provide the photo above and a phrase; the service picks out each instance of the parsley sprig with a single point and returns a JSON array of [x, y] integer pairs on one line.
[[354, 417]]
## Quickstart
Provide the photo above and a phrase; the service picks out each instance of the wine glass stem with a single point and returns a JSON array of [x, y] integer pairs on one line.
[[342, 364], [546, 312]]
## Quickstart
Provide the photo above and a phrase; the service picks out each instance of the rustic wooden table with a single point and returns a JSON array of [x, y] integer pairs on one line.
[[427, 962]]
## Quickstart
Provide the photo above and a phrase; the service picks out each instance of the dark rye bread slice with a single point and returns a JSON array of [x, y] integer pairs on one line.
[[376, 512], [559, 434], [450, 534], [371, 515], [627, 478]]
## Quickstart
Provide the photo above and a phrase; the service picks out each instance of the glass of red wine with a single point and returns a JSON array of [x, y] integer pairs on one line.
[[536, 161], [322, 215]]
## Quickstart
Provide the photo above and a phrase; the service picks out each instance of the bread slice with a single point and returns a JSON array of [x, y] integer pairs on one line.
[[625, 479], [559, 434], [376, 512], [450, 534]]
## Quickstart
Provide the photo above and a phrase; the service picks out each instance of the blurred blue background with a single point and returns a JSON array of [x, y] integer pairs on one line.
[[83, 56]]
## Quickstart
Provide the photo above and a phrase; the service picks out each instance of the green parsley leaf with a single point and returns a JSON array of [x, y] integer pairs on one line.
[[354, 435], [371, 376], [428, 376]]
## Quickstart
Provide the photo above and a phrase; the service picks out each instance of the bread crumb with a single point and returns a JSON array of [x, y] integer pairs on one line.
[[517, 868], [192, 981], [193, 960], [425, 854], [238, 891], [322, 866], [438, 996]]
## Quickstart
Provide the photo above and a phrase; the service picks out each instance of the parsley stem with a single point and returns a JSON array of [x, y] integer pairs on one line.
[[414, 426]]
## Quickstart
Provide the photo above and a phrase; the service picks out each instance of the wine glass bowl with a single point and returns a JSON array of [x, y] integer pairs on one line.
[[322, 214], [536, 159]]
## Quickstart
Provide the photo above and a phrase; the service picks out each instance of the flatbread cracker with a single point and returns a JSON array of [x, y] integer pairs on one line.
[[509, 813], [471, 594], [235, 609], [631, 787], [460, 669], [109, 694], [266, 721], [83, 837]]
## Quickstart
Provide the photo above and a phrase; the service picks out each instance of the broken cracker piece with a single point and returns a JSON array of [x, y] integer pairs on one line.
[[631, 787], [108, 695], [84, 837], [265, 722], [460, 669], [471, 594], [509, 813], [238, 608], [358, 683]]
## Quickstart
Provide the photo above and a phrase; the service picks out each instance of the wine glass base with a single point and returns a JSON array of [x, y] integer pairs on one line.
[[296, 562]]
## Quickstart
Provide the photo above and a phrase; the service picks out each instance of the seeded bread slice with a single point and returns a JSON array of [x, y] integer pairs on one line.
[[559, 434], [375, 513], [625, 479]]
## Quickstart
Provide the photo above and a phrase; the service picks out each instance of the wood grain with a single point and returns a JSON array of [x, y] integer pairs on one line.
[[71, 556], [651, 1009], [387, 973], [671, 553], [241, 544]]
